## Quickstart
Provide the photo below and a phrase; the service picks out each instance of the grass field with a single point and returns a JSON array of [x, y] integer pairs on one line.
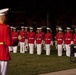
[[26, 64]]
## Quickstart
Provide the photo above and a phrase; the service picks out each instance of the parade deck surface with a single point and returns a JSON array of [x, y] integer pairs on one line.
[[27, 64]]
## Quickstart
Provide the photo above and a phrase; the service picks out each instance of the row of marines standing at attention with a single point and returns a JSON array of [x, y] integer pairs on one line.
[[28, 40]]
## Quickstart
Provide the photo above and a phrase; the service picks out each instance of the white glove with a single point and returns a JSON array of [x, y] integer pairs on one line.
[[55, 43], [35, 44], [51, 43], [72, 42]]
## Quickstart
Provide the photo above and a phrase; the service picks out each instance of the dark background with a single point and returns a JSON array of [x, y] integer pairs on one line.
[[41, 7], [30, 11], [53, 6]]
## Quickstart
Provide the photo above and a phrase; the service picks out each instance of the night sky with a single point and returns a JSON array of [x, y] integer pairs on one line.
[[42, 6]]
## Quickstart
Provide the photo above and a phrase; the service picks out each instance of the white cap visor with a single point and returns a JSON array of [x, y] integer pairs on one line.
[[48, 28]]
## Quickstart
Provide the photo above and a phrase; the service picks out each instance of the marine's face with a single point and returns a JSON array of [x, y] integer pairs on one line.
[[11, 29], [48, 31], [31, 30], [22, 29], [26, 29], [38, 31], [68, 30], [2, 18], [60, 31], [14, 30]]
